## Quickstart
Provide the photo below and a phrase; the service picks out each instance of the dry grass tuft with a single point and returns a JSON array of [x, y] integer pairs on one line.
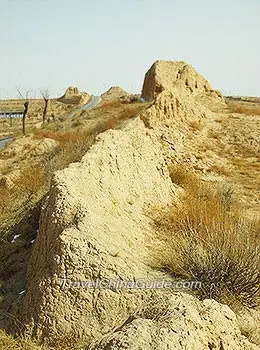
[[206, 239], [221, 170], [122, 111], [182, 176], [196, 125], [7, 342], [24, 189], [31, 179], [23, 343], [131, 110], [109, 105], [61, 137], [4, 198]]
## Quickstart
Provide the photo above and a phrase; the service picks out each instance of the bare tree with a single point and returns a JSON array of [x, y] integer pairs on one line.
[[26, 106], [46, 97]]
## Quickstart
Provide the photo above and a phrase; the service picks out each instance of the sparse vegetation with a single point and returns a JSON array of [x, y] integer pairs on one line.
[[24, 187], [46, 97], [7, 342], [243, 107], [205, 238], [196, 125], [22, 343], [26, 105], [221, 170], [182, 176]]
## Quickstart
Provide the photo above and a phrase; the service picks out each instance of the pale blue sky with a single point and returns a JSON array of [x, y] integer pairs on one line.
[[97, 44]]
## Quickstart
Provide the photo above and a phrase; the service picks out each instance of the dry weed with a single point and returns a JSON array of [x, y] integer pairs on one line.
[[30, 181], [206, 239], [221, 170], [7, 342], [182, 176], [109, 105], [24, 343], [196, 125]]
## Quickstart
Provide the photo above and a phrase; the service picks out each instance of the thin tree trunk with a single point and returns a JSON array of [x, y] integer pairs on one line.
[[26, 104], [46, 100]]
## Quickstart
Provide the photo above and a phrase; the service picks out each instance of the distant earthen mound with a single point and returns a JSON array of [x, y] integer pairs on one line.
[[175, 75], [71, 91], [72, 96], [114, 93]]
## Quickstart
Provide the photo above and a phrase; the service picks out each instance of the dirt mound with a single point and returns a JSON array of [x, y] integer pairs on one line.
[[71, 91], [174, 75], [175, 323], [198, 129], [114, 93], [95, 225], [72, 96]]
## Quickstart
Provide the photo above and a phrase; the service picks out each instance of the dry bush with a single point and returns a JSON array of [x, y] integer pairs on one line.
[[196, 125], [25, 190], [30, 181], [73, 145], [111, 123], [69, 342], [130, 111], [108, 105], [221, 170], [213, 134], [61, 137], [121, 111], [7, 342], [206, 239], [4, 198], [182, 176]]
